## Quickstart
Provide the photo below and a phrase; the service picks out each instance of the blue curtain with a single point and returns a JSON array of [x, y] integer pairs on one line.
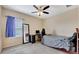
[[10, 26]]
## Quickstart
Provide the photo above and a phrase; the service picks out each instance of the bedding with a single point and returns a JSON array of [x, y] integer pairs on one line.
[[56, 41]]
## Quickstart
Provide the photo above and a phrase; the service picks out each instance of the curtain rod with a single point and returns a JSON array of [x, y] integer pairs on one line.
[[17, 17]]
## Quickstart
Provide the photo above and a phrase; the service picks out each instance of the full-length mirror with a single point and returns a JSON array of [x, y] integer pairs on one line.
[[25, 33]]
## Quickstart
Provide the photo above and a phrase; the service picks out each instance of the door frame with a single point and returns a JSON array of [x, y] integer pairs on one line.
[[23, 31]]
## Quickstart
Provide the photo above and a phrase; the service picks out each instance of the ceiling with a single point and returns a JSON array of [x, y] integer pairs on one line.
[[28, 9]]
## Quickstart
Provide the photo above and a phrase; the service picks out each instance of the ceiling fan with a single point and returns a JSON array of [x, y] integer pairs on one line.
[[41, 10], [68, 6]]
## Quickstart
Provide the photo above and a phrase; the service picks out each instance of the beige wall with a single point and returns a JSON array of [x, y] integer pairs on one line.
[[0, 32], [78, 15], [62, 24], [35, 24]]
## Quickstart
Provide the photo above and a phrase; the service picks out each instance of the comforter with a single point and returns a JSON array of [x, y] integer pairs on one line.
[[56, 41]]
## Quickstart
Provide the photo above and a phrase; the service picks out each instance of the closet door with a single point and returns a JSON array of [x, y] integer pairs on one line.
[[25, 33]]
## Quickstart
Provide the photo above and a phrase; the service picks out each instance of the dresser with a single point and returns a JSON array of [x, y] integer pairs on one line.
[[32, 39]]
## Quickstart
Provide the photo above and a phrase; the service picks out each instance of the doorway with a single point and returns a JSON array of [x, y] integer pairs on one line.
[[25, 33]]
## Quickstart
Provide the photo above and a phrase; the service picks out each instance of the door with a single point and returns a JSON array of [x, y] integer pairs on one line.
[[25, 33]]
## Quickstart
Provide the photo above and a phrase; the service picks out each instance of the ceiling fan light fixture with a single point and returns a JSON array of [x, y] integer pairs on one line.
[[40, 13]]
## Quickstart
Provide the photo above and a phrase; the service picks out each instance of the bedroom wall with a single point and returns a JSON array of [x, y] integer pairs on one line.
[[78, 15], [62, 24], [35, 24], [0, 32]]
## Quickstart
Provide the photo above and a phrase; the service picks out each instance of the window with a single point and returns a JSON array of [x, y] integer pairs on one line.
[[13, 27], [18, 27]]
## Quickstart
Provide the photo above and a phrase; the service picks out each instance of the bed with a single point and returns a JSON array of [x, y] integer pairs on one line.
[[56, 41]]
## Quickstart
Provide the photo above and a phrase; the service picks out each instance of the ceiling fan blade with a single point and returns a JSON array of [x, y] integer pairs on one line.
[[34, 12], [45, 7], [45, 12], [68, 5], [35, 7]]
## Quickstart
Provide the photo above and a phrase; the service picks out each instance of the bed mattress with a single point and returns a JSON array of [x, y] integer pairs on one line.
[[56, 41]]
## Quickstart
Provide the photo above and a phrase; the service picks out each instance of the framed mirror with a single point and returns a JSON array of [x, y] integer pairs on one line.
[[25, 33]]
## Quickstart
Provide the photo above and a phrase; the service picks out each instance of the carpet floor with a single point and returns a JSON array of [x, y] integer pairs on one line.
[[36, 48]]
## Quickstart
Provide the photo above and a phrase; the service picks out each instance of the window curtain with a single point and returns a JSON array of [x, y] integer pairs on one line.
[[10, 26]]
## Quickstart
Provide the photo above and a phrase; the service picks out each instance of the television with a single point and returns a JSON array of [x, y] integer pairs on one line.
[[37, 31]]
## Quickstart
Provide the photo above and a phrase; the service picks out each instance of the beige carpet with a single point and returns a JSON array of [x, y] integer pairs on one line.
[[36, 48]]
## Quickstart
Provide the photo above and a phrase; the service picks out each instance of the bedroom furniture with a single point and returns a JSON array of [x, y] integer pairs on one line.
[[77, 31], [32, 39], [73, 42], [38, 35], [63, 42], [26, 33], [43, 32], [56, 41]]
